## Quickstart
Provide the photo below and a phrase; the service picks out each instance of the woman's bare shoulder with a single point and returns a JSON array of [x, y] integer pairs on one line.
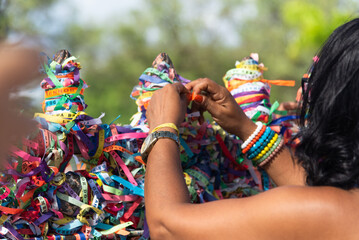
[[320, 212], [326, 196], [290, 212]]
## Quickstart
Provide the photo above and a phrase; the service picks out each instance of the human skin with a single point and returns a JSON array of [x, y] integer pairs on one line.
[[18, 67], [290, 211]]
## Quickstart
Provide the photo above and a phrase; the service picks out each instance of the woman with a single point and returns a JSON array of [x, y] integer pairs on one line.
[[317, 197]]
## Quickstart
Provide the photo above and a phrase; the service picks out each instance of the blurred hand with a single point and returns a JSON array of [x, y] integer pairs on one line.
[[219, 102], [18, 66], [167, 105], [290, 107]]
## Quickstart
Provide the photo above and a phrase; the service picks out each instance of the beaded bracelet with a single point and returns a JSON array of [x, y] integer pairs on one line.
[[254, 140], [251, 137], [263, 157], [261, 143], [267, 145], [262, 146], [272, 155]]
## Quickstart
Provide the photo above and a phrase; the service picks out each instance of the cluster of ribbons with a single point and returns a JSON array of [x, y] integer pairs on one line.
[[88, 182], [252, 93], [77, 178], [250, 90], [161, 73], [214, 167], [63, 86]]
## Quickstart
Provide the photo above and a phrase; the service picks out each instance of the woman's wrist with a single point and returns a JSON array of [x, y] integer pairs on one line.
[[166, 125], [172, 130], [245, 128]]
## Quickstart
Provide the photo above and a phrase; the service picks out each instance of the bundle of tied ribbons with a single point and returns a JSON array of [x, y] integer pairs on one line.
[[78, 178]]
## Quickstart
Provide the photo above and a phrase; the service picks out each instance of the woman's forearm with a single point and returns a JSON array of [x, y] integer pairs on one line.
[[164, 186], [283, 169]]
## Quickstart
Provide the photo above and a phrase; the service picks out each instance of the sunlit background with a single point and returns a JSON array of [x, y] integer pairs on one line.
[[117, 40]]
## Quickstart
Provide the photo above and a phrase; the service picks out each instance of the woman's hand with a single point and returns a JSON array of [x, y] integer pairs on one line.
[[18, 67], [219, 102], [167, 105]]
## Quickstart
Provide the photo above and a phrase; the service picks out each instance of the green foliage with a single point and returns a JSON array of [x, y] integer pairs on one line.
[[23, 16], [3, 20], [311, 23], [287, 34]]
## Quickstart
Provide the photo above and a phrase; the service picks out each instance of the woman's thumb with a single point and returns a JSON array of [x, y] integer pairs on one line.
[[205, 102]]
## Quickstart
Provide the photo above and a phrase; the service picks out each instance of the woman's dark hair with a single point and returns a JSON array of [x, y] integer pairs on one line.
[[329, 148]]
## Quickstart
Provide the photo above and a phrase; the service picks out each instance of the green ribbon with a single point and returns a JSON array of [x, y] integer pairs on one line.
[[68, 60], [239, 71], [162, 75], [52, 76], [256, 116], [272, 110], [199, 176], [116, 228], [66, 97], [112, 190]]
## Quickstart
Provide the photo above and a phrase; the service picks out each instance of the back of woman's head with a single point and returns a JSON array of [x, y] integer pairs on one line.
[[329, 148]]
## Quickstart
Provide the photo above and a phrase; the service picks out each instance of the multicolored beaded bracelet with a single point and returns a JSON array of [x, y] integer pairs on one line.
[[273, 154], [254, 134], [266, 146], [263, 157], [262, 146], [254, 140], [262, 143]]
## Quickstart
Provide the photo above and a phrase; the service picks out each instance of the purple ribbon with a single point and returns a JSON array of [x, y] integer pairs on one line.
[[31, 173], [152, 79], [43, 218], [84, 117], [48, 80], [76, 76], [13, 231], [255, 104], [58, 68], [70, 191], [146, 231], [122, 129], [241, 94]]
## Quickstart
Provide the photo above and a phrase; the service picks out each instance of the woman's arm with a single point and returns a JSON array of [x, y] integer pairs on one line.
[[164, 184], [284, 170], [281, 213]]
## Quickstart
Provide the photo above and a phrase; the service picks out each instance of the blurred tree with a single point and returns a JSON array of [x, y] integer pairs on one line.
[[203, 38], [287, 34], [23, 16], [19, 18], [3, 20], [310, 23], [159, 26]]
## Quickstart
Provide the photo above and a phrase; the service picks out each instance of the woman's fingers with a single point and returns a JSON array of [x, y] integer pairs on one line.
[[180, 88], [209, 93], [287, 106], [208, 104], [167, 105], [219, 102], [202, 85], [183, 92]]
